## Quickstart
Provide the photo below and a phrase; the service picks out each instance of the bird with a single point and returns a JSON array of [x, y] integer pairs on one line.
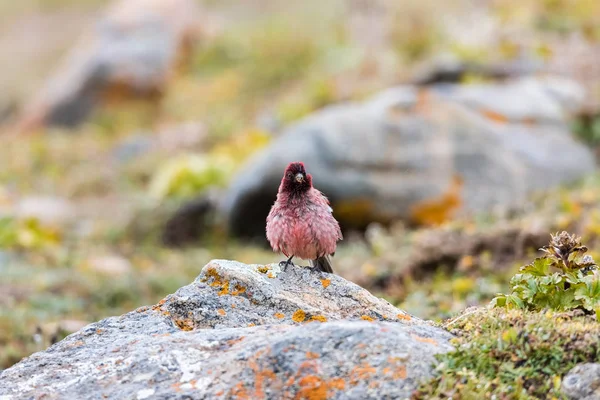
[[301, 222]]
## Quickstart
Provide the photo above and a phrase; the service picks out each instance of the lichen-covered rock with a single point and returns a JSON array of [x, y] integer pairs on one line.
[[582, 382], [397, 155], [241, 332], [132, 50]]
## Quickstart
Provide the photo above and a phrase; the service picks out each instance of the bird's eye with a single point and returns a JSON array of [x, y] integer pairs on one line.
[[290, 175]]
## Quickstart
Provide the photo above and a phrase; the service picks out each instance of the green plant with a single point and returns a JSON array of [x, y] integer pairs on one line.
[[512, 354], [563, 279]]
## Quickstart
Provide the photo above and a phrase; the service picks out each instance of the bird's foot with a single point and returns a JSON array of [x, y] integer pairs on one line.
[[285, 263], [314, 269]]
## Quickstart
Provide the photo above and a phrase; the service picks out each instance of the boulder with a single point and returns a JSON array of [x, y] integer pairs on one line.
[[131, 51], [582, 382], [400, 154], [237, 332]]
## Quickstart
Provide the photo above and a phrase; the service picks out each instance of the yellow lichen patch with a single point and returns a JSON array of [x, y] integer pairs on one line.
[[367, 318], [217, 282], [320, 318], [221, 312], [239, 289], [184, 324], [311, 356], [404, 317], [325, 282], [358, 212], [271, 275], [299, 316], [263, 269], [279, 315], [251, 324], [424, 339], [224, 289], [439, 210]]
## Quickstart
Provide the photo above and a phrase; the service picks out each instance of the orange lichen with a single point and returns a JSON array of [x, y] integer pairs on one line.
[[238, 289], [176, 387], [271, 275], [239, 391], [320, 318], [224, 289], [159, 304], [367, 318], [263, 269], [424, 339], [325, 282], [279, 315], [299, 316], [361, 373], [221, 312], [311, 388], [184, 324], [311, 356], [231, 342], [251, 324], [404, 317], [495, 116], [217, 281], [400, 372], [337, 383], [436, 211]]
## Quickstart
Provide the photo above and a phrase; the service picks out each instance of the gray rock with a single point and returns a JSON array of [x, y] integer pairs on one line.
[[130, 51], [582, 382], [378, 160], [241, 331]]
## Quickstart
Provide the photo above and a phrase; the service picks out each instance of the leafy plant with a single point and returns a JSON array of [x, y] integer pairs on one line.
[[563, 279]]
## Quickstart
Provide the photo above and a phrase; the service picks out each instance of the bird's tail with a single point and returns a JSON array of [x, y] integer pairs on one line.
[[323, 264]]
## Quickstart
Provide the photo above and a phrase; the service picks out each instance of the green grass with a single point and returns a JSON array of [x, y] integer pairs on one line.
[[512, 354]]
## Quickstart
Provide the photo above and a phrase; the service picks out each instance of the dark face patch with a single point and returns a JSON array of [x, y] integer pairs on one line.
[[295, 179]]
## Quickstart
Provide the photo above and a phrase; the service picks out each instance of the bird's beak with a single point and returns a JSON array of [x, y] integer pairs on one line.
[[299, 178]]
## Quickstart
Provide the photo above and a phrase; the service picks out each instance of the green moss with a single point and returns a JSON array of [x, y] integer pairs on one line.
[[512, 354]]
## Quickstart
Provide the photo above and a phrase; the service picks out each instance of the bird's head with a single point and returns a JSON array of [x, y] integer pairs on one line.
[[295, 179]]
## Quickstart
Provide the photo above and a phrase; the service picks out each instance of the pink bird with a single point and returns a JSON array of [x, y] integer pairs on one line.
[[301, 222]]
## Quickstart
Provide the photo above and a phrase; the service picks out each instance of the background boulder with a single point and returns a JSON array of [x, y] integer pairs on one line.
[[132, 51], [422, 154]]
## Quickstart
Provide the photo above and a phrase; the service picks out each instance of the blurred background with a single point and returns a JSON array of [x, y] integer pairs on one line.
[[142, 138]]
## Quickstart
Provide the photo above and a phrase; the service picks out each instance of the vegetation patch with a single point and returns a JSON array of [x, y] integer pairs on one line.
[[524, 343]]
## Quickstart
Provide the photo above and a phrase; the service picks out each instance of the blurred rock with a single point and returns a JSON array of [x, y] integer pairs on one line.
[[131, 51], [241, 331], [387, 158], [110, 265], [577, 57], [450, 69], [48, 210], [582, 382]]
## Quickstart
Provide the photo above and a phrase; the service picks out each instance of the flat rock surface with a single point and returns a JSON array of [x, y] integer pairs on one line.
[[241, 332]]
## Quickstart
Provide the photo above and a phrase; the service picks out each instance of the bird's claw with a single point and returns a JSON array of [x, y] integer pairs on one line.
[[284, 264]]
